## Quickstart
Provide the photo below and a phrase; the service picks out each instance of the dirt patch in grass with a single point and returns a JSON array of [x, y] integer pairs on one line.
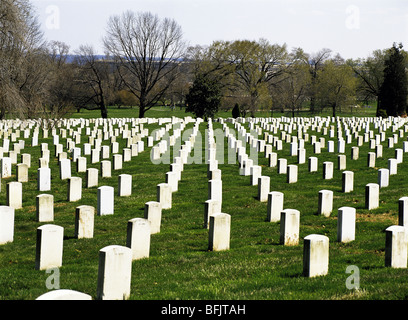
[[378, 217]]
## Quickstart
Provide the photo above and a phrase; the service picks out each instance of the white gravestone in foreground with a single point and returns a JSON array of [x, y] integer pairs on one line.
[[105, 201], [315, 255], [114, 273], [6, 224], [49, 247], [219, 232], [138, 238]]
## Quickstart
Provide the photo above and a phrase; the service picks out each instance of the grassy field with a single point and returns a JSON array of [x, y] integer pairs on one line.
[[180, 267], [156, 112]]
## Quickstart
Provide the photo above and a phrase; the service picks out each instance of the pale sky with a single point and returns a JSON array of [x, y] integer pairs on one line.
[[352, 28]]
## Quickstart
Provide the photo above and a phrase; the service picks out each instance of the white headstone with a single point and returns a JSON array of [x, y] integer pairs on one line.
[[219, 232], [354, 153], [215, 190], [215, 174], [282, 165], [341, 162], [6, 224], [74, 189], [91, 177], [81, 164], [347, 181], [211, 207], [64, 294], [44, 179], [153, 213], [104, 152], [256, 172], [372, 196], [138, 238], [341, 144], [315, 255], [313, 164], [22, 172], [45, 207], [327, 170], [124, 185], [6, 167], [371, 159], [292, 174], [127, 154], [399, 155], [330, 146], [172, 180], [106, 169], [383, 177], [301, 156], [114, 273], [289, 227], [14, 195], [117, 162], [264, 184], [396, 247], [49, 247], [105, 203], [325, 206], [392, 166], [275, 206], [379, 151], [84, 221], [26, 159], [164, 195], [403, 211], [273, 159], [346, 224]]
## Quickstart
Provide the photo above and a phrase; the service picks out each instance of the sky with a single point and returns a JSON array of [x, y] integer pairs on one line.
[[354, 29]]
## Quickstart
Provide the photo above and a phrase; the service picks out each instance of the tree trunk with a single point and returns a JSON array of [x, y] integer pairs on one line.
[[141, 111], [142, 105], [378, 106], [312, 104], [2, 113], [254, 99], [104, 111]]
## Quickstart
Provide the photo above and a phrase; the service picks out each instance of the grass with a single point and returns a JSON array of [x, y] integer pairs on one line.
[[257, 267], [157, 112]]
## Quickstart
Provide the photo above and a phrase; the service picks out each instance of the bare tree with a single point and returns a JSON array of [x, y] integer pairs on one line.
[[94, 74], [21, 45], [290, 91], [370, 72], [61, 88], [315, 61], [149, 51], [257, 64]]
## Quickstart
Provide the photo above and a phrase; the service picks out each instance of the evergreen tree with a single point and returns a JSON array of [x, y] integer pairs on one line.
[[204, 97], [394, 90], [236, 112]]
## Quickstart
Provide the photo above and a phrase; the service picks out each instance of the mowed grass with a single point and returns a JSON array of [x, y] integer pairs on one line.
[[180, 266]]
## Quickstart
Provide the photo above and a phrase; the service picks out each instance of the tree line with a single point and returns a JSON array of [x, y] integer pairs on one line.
[[148, 63]]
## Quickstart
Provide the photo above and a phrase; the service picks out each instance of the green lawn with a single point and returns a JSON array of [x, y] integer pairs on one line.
[[180, 267], [157, 112]]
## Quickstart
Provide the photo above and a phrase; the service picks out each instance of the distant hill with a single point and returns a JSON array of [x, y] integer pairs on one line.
[[71, 57]]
